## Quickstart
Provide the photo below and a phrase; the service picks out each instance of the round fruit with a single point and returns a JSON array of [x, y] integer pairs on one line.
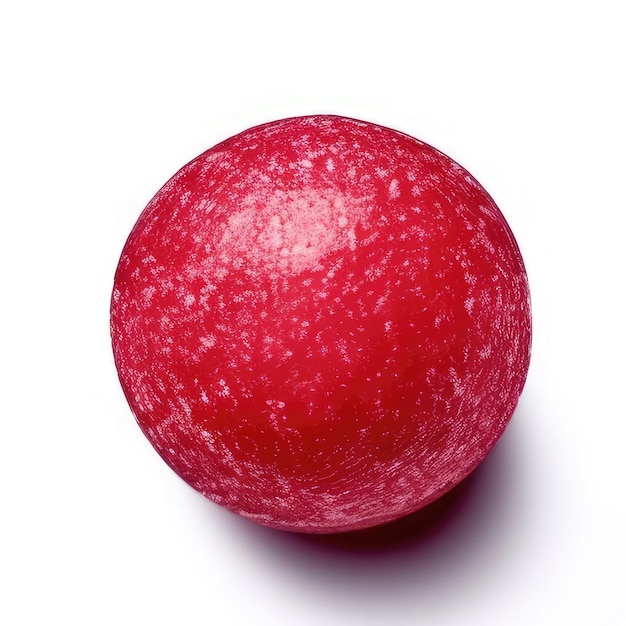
[[321, 324]]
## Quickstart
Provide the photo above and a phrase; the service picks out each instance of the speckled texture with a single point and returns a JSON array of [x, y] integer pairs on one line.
[[321, 324]]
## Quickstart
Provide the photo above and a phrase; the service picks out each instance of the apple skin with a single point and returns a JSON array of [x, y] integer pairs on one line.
[[322, 324]]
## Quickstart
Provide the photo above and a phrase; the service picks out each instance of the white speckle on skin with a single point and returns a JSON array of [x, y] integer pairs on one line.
[[208, 341], [224, 389], [147, 293]]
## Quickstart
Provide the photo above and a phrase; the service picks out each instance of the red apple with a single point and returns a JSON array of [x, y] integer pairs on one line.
[[321, 324]]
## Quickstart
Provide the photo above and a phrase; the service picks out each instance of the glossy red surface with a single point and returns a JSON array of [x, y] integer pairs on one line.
[[321, 324]]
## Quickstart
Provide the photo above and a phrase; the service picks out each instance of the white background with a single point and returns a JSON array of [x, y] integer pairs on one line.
[[102, 102]]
